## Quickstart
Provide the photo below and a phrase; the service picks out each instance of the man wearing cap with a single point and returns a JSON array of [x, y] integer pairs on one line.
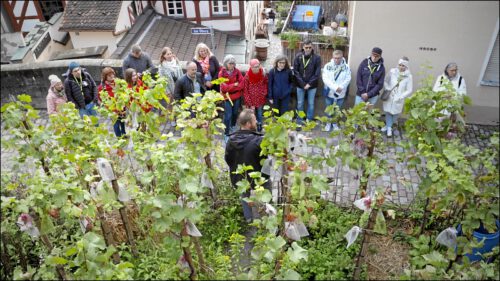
[[370, 78], [80, 89]]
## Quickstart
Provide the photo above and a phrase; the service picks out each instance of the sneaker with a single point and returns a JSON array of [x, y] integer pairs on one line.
[[384, 129], [327, 128], [389, 132], [335, 127]]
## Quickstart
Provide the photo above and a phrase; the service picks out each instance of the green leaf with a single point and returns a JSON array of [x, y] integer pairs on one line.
[[52, 260], [297, 253], [71, 251], [94, 240], [276, 243], [24, 98], [291, 274], [46, 225]]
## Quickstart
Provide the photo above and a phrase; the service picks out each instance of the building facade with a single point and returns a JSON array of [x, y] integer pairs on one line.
[[434, 33]]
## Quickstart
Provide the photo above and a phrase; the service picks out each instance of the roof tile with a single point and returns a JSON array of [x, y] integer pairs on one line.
[[91, 15]]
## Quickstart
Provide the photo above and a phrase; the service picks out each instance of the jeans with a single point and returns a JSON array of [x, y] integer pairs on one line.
[[119, 127], [247, 210], [88, 110], [390, 119], [230, 114], [311, 93], [372, 100], [258, 114], [281, 105], [329, 101]]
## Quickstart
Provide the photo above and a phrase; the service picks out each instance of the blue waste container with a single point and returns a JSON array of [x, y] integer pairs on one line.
[[491, 240]]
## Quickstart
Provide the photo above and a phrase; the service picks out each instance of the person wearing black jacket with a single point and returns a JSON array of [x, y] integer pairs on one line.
[[307, 70], [189, 83], [81, 89], [243, 148]]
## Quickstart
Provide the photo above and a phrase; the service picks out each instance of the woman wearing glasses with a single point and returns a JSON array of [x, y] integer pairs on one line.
[[400, 82]]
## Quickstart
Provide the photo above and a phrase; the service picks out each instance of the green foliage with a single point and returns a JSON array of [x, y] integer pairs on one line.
[[328, 257]]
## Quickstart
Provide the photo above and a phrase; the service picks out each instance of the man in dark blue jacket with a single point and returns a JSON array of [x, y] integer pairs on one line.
[[307, 70], [370, 78], [80, 89]]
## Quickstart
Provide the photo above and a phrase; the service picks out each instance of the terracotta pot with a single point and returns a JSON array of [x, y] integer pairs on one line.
[[284, 43]]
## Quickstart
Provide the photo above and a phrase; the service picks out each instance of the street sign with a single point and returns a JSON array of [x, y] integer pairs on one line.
[[200, 30]]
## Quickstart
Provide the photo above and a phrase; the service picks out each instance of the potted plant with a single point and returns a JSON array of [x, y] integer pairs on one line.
[[339, 41], [293, 40], [284, 39]]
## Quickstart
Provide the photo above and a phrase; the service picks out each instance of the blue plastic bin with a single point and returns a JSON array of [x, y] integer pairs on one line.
[[491, 240]]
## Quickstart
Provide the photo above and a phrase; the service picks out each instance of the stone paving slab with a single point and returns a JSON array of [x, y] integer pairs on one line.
[[401, 181]]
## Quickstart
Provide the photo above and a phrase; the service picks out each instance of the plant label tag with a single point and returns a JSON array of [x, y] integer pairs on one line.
[[105, 169], [192, 230]]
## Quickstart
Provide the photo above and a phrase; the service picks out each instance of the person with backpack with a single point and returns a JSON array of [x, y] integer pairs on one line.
[[280, 84], [451, 75], [370, 78], [81, 89], [336, 78]]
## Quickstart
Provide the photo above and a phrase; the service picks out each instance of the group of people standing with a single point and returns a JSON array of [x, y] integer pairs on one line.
[[254, 89]]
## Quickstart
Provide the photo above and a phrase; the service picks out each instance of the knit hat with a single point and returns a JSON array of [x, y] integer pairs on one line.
[[73, 65], [377, 50], [54, 80], [254, 62]]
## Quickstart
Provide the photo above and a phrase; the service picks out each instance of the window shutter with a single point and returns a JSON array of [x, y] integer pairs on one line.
[[490, 76]]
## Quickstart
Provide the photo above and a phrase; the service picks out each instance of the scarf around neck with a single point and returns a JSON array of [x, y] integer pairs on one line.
[[205, 64], [255, 78]]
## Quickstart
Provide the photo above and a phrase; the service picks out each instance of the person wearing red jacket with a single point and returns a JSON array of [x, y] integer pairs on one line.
[[108, 85], [232, 91], [255, 90], [134, 82]]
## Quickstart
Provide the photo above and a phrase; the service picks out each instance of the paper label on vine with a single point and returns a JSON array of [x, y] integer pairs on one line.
[[105, 169], [206, 181], [123, 195], [192, 230]]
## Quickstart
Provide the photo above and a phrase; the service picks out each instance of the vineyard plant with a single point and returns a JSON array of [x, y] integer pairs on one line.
[[79, 203]]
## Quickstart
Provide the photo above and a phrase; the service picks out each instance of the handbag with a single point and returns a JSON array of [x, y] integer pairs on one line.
[[385, 95]]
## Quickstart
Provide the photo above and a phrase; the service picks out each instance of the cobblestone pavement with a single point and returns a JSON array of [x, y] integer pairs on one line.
[[402, 182]]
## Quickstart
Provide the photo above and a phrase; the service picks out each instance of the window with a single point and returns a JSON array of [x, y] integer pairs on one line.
[[220, 7], [174, 8], [50, 7], [490, 75]]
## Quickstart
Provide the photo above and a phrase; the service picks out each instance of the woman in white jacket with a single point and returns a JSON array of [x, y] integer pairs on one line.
[[336, 78], [400, 83]]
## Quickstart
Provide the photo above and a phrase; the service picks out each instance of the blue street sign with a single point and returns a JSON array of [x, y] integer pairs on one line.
[[200, 30]]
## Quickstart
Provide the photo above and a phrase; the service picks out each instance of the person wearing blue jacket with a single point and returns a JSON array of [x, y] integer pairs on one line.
[[280, 84], [307, 70], [336, 78], [370, 78]]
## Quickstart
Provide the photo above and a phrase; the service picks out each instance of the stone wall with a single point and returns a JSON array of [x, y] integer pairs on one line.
[[32, 78]]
